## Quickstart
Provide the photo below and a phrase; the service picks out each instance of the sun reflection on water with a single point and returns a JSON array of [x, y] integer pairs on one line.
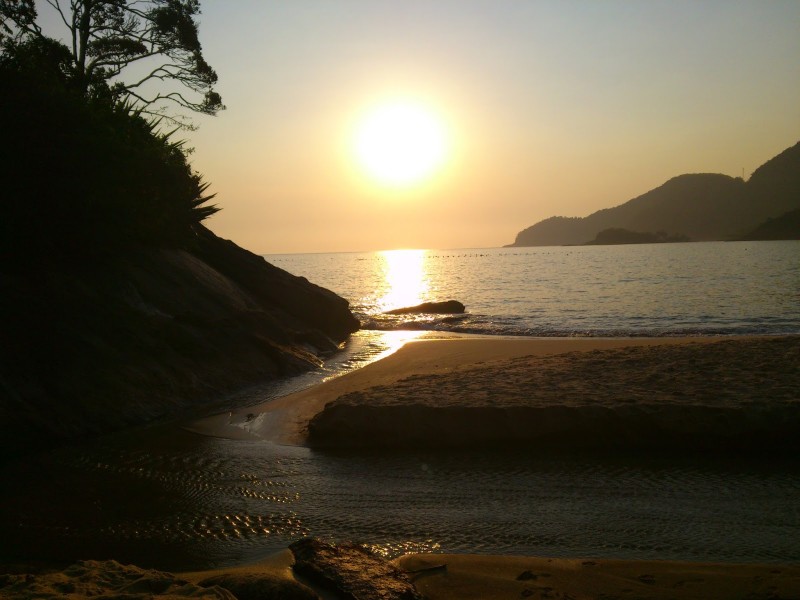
[[406, 278]]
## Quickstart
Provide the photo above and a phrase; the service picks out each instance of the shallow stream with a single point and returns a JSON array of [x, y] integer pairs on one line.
[[166, 498]]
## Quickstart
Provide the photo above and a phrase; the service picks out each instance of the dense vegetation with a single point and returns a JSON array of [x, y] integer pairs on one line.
[[106, 37], [85, 177], [88, 171]]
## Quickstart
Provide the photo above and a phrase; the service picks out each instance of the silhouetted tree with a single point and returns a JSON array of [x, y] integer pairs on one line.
[[107, 36], [84, 177]]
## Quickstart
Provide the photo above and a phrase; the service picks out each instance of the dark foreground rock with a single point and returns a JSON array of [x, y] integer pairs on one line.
[[437, 308], [351, 571], [87, 349]]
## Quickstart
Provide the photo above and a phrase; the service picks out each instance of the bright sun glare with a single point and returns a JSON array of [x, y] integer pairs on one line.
[[406, 280], [401, 143]]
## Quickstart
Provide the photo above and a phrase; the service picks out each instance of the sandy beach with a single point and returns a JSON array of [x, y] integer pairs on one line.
[[285, 420], [474, 577], [715, 388], [435, 577], [499, 577], [695, 392]]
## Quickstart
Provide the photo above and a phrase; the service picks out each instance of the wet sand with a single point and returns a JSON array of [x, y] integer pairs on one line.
[[470, 577], [476, 577], [506, 374], [468, 391], [285, 420]]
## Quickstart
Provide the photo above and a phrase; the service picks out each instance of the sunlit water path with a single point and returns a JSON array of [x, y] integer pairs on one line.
[[163, 497]]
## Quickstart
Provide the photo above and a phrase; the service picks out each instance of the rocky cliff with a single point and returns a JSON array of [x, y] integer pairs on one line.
[[90, 348]]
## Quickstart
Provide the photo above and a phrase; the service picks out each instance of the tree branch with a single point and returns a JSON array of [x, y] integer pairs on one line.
[[110, 35]]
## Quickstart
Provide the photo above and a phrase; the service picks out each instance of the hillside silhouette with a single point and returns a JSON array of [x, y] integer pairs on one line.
[[616, 235], [785, 227], [700, 207]]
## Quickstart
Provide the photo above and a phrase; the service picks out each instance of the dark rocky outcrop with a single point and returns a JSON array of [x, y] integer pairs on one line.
[[316, 307], [88, 348], [703, 206], [351, 571], [438, 308]]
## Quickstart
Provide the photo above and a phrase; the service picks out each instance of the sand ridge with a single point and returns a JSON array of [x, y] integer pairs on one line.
[[723, 373], [285, 420], [726, 395]]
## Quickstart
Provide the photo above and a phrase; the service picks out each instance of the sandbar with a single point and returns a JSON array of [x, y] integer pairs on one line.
[[285, 420], [473, 389]]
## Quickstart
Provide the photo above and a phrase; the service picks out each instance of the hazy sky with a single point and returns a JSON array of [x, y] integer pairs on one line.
[[552, 108]]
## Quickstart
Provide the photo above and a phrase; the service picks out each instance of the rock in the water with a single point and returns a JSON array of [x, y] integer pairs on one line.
[[439, 308], [351, 571]]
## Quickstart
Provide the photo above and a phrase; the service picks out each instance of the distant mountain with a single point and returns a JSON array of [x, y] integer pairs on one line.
[[785, 227], [616, 236], [701, 207]]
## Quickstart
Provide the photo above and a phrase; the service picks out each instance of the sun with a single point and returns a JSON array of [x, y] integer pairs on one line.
[[401, 143]]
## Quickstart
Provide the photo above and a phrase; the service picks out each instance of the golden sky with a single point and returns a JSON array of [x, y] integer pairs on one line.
[[547, 108]]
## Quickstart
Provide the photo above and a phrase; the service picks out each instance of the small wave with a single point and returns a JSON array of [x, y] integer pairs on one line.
[[470, 323], [384, 322]]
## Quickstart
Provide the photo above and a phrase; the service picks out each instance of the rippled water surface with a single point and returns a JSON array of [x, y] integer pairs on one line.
[[164, 497]]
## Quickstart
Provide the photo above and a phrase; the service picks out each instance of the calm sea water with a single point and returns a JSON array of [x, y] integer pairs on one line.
[[714, 288], [163, 497]]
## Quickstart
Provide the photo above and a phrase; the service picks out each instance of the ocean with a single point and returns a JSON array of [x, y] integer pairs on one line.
[[163, 497], [714, 288]]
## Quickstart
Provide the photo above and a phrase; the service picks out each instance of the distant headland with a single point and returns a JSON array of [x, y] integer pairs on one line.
[[693, 207]]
